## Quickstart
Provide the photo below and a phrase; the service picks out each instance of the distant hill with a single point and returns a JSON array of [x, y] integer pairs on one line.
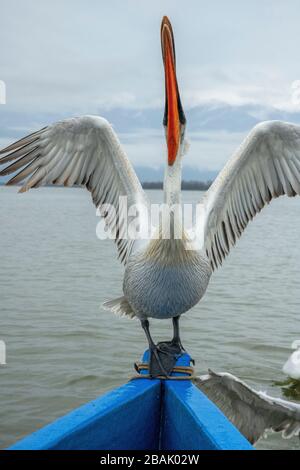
[[186, 185], [147, 174], [193, 178]]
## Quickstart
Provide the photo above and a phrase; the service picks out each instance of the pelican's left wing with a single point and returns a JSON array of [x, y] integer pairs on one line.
[[81, 151], [253, 413], [266, 165]]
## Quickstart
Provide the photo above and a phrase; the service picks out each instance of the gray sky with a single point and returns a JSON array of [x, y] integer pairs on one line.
[[236, 65]]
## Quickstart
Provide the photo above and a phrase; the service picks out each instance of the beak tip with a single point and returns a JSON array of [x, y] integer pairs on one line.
[[165, 21], [166, 25], [167, 38]]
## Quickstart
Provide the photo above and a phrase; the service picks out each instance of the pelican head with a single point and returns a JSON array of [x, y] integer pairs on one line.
[[174, 118]]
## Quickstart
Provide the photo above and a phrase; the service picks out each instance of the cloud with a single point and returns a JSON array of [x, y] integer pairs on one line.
[[214, 130], [73, 56], [236, 63]]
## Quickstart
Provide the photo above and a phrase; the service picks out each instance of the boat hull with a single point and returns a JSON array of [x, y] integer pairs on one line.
[[142, 414]]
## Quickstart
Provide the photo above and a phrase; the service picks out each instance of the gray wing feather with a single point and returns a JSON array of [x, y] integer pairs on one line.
[[266, 166], [82, 151], [253, 413]]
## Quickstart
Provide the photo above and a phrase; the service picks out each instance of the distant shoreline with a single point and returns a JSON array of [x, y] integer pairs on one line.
[[185, 186]]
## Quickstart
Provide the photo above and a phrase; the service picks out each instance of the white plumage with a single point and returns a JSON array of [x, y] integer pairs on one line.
[[266, 165], [82, 151], [86, 151], [292, 366]]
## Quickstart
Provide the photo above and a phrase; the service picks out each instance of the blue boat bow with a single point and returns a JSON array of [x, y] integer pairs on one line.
[[142, 414]]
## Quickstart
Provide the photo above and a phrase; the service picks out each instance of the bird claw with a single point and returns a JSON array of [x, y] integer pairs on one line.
[[156, 365], [171, 347], [162, 360]]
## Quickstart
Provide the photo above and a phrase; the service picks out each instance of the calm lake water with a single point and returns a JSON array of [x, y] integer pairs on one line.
[[63, 349]]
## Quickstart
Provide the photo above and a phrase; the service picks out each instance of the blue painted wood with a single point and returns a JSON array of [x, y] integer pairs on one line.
[[126, 418], [190, 421], [142, 414], [197, 424]]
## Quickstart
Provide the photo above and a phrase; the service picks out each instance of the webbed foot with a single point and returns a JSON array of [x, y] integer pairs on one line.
[[162, 360], [172, 347]]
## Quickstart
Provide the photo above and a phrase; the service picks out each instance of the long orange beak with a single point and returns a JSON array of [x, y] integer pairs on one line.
[[174, 115]]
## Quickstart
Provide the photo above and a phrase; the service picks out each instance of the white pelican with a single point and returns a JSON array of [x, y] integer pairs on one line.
[[163, 279], [292, 365]]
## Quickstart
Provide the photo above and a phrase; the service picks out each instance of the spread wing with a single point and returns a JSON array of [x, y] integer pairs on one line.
[[266, 165], [253, 413], [79, 151]]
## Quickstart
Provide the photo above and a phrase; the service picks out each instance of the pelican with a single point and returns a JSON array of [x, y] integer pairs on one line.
[[253, 413], [292, 365], [163, 277]]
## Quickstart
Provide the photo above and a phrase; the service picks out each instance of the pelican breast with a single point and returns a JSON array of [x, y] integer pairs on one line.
[[166, 279]]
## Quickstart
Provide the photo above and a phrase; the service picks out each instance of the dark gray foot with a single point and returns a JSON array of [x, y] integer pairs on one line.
[[164, 355], [162, 360], [173, 347]]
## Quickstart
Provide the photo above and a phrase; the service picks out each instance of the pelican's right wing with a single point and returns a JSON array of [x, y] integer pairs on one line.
[[80, 151], [253, 413], [265, 166]]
